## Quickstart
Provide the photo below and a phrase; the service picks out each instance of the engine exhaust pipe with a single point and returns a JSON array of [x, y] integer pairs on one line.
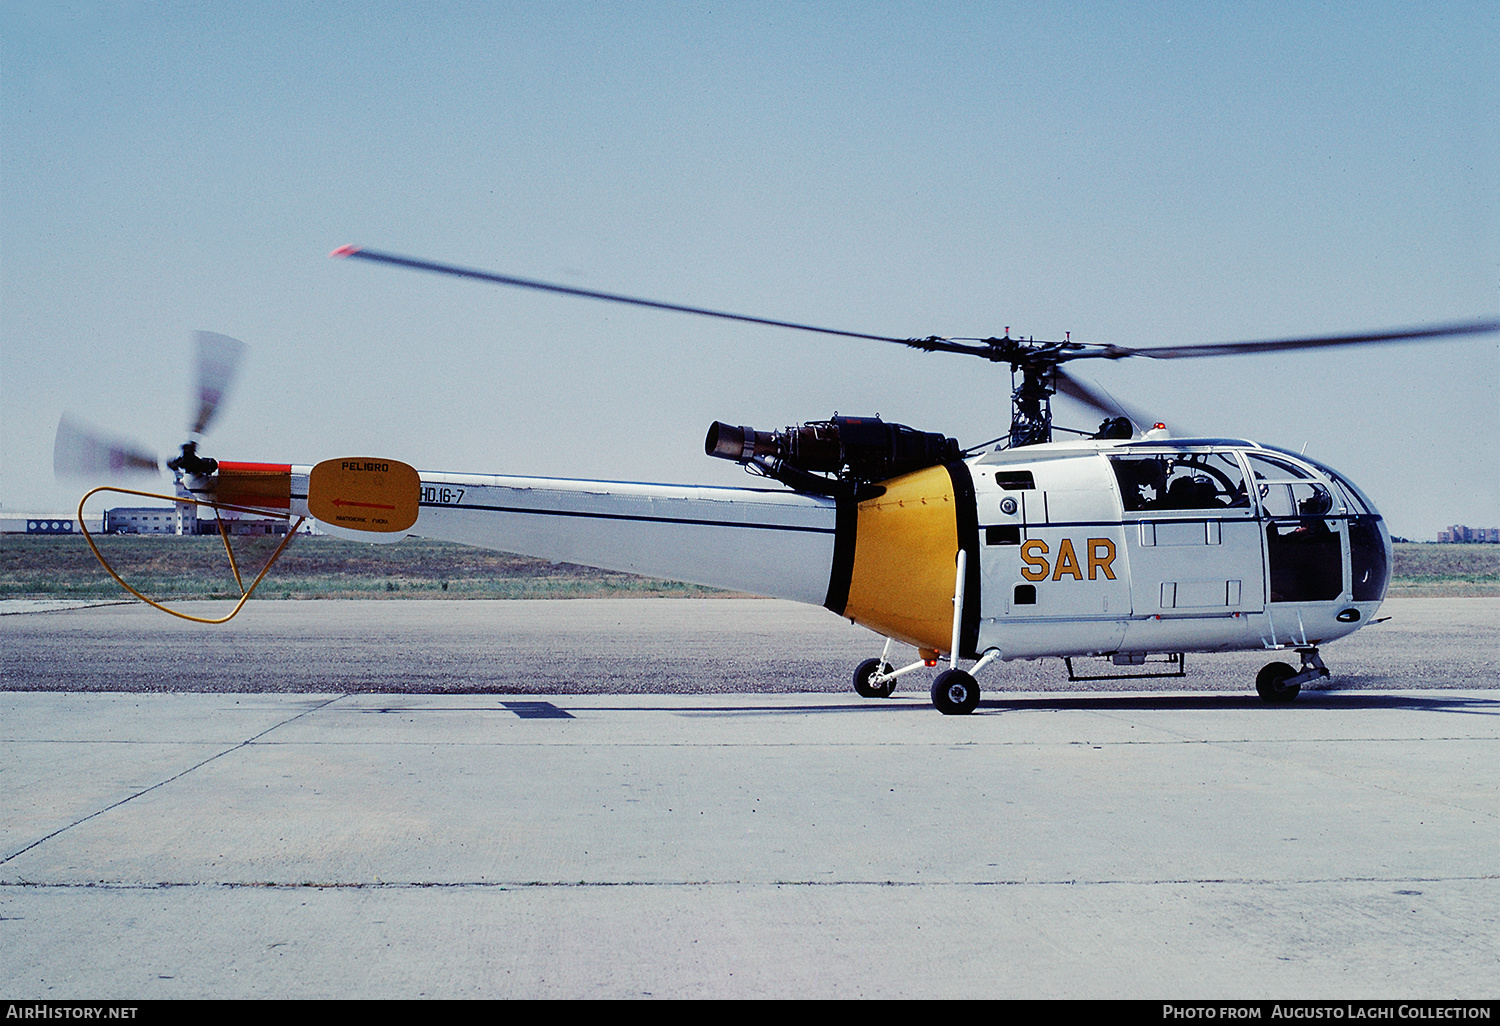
[[741, 444]]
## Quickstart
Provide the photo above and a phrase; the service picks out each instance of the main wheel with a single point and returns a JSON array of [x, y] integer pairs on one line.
[[867, 669], [955, 693], [1272, 684]]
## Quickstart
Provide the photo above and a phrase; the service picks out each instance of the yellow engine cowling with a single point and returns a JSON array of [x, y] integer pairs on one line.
[[894, 571]]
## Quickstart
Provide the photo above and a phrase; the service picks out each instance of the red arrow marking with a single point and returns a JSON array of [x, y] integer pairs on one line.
[[365, 505]]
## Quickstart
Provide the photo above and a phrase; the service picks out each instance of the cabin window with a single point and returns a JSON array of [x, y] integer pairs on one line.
[[1180, 481]]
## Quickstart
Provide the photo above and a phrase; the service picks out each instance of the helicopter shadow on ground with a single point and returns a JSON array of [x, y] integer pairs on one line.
[[550, 710], [1053, 702], [1339, 701], [1333, 700]]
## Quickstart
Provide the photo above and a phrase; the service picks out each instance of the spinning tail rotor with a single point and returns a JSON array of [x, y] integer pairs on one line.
[[79, 451], [82, 452]]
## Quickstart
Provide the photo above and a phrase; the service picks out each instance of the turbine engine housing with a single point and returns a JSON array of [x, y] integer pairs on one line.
[[835, 456]]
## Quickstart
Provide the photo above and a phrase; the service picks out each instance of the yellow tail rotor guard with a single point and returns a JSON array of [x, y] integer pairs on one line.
[[245, 592]]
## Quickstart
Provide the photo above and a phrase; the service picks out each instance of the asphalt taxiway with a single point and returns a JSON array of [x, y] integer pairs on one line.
[[200, 812]]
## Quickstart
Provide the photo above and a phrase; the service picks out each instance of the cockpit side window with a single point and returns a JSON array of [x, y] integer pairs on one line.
[[1353, 502], [1180, 481], [1287, 490], [1267, 469], [1298, 499]]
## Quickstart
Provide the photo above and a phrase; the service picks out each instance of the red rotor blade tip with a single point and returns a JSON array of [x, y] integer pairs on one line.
[[343, 251]]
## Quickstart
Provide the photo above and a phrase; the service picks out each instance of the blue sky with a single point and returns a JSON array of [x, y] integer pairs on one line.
[[1139, 174]]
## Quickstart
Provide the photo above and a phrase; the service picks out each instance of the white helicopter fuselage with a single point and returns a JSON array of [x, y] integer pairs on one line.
[[1097, 548], [1094, 547]]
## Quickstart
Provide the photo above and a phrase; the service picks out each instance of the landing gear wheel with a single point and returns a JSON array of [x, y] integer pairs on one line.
[[867, 669], [1272, 684], [955, 693]]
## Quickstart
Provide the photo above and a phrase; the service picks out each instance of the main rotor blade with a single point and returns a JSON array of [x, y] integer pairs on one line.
[[1479, 327], [218, 360], [78, 451], [1014, 352], [1096, 398], [567, 290]]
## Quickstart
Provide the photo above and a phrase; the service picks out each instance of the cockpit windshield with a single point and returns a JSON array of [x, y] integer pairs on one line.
[[1289, 490], [1297, 500]]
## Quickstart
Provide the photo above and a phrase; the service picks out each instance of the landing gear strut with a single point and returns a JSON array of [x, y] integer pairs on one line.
[[955, 692], [876, 678], [1278, 682]]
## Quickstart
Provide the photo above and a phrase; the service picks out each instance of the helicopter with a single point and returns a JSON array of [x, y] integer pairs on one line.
[[1122, 544]]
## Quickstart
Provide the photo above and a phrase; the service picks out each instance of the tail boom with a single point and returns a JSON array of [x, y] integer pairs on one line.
[[773, 543]]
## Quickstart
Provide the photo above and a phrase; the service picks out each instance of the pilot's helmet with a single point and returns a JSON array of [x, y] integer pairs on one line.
[[1316, 504]]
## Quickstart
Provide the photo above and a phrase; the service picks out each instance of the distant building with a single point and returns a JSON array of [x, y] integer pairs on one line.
[[149, 520], [49, 525], [183, 519], [1462, 533], [145, 520], [251, 525], [45, 523]]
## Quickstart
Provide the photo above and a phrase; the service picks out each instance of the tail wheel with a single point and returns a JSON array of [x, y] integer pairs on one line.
[[1272, 684], [955, 693], [865, 671]]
